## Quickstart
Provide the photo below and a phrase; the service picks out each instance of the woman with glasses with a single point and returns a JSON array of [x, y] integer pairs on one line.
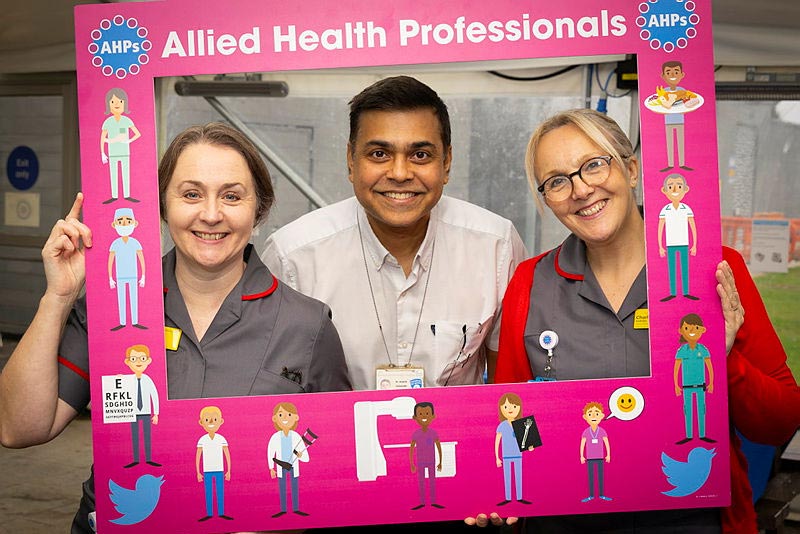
[[584, 168]]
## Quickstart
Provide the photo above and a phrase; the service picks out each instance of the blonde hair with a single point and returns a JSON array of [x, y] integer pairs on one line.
[[598, 127], [210, 409]]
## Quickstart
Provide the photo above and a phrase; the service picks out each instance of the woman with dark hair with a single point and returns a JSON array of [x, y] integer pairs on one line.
[[242, 329], [584, 168]]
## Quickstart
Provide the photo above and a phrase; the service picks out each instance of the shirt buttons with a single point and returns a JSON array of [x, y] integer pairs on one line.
[[402, 345]]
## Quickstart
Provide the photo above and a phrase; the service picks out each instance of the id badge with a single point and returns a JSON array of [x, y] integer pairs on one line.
[[595, 441], [393, 377]]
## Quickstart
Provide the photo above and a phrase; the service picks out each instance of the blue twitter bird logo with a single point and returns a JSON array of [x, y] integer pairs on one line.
[[688, 476], [137, 504]]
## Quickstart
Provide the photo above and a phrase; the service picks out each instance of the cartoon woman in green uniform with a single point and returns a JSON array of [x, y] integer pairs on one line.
[[117, 135]]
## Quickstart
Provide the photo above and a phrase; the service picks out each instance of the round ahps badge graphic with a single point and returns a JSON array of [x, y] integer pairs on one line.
[[667, 24], [119, 47]]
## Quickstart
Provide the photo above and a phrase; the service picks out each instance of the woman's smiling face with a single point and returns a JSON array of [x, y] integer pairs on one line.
[[210, 206], [596, 214]]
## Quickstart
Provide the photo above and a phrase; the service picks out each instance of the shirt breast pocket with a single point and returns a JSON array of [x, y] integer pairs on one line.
[[458, 346], [270, 383]]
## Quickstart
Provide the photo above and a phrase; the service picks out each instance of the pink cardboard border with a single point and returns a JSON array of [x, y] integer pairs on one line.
[[331, 492]]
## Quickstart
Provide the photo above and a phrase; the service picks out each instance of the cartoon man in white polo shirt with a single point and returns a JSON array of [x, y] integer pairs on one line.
[[674, 223]]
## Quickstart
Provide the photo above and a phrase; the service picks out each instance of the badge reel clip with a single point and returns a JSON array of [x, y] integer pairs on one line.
[[548, 341]]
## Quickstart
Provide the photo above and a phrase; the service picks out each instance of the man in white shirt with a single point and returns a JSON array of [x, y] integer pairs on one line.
[[415, 280]]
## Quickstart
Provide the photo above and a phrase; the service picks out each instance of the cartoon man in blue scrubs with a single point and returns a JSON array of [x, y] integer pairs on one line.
[[116, 133], [125, 253], [691, 362]]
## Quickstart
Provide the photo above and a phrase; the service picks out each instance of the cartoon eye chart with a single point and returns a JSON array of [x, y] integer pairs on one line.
[[295, 461]]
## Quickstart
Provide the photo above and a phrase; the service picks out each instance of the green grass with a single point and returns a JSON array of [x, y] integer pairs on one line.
[[781, 293]]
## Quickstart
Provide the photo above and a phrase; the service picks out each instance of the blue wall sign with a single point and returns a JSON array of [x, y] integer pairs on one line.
[[22, 168]]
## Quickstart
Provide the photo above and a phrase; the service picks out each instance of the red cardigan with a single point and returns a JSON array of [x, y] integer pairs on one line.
[[763, 397]]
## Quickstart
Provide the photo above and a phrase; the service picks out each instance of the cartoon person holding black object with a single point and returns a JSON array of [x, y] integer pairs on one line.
[[510, 409]]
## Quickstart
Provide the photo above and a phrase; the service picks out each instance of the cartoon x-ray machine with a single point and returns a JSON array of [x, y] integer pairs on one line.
[[370, 460]]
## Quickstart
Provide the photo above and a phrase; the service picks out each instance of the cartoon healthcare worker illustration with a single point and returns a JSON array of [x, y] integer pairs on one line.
[[425, 441], [125, 253], [283, 453], [116, 133], [674, 223], [137, 358], [594, 448], [507, 450], [673, 97], [691, 362], [212, 448]]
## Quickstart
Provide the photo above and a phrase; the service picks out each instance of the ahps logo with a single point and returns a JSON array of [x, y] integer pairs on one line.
[[119, 47], [667, 24]]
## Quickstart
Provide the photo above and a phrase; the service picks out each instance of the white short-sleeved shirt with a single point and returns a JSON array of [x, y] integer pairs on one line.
[[676, 224], [212, 452], [466, 260]]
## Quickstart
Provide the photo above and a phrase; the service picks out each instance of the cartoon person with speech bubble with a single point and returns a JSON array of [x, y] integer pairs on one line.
[[626, 403], [595, 448]]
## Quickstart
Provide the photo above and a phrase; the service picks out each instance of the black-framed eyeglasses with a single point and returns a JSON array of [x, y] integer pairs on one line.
[[593, 172]]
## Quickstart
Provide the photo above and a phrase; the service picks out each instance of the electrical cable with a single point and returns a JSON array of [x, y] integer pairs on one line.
[[533, 78]]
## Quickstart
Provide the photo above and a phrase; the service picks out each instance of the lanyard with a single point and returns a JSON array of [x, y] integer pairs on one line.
[[375, 304]]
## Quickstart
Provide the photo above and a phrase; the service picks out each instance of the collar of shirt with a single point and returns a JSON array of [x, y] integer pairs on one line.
[[377, 254], [571, 263], [256, 282]]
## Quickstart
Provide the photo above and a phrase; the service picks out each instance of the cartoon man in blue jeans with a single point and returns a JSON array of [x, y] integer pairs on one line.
[[125, 253], [212, 447], [693, 359]]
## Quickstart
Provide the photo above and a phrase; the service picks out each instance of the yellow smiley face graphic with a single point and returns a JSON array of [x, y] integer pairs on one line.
[[626, 403]]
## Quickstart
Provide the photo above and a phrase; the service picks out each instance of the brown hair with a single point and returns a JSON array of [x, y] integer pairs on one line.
[[598, 127], [221, 135], [513, 398], [287, 406], [590, 405], [692, 319]]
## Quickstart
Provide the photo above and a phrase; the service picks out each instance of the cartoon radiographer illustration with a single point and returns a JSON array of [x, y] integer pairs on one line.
[[137, 358], [508, 446], [125, 253], [425, 441], [691, 362], [595, 449], [212, 447], [116, 133], [674, 223], [284, 449]]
